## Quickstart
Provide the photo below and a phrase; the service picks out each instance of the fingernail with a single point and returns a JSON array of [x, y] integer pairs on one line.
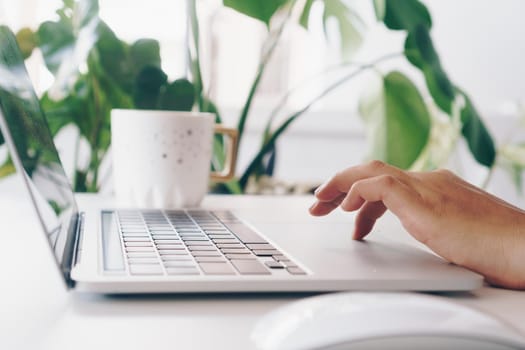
[[319, 189]]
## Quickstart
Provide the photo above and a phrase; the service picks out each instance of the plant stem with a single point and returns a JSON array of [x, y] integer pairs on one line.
[[272, 41], [267, 146], [487, 179], [95, 137], [75, 159], [194, 59], [282, 102]]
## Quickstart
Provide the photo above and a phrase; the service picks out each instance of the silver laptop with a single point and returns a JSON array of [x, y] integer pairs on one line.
[[191, 250]]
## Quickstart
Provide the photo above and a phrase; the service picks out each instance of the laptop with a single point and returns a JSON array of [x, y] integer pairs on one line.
[[207, 250]]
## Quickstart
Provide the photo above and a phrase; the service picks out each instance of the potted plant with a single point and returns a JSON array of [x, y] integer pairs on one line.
[[398, 116], [402, 123], [95, 72]]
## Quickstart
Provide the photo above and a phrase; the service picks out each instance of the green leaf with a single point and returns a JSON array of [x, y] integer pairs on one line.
[[114, 58], [178, 96], [380, 9], [80, 181], [148, 84], [511, 158], [233, 186], [478, 138], [7, 168], [59, 113], [406, 15], [27, 41], [85, 11], [420, 51], [260, 10], [305, 14], [218, 156], [397, 120], [145, 52], [56, 41], [349, 23], [67, 43]]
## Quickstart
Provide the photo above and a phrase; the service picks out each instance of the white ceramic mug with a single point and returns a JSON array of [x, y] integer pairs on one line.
[[162, 159]]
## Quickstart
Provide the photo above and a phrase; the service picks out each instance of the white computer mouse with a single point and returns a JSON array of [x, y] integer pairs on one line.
[[379, 320]]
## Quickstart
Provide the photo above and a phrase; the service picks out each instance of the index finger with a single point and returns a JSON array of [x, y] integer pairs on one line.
[[341, 182]]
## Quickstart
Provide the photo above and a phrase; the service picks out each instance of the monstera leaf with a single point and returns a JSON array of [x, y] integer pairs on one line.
[[397, 120], [420, 51], [349, 24], [413, 17], [178, 96], [261, 10], [66, 43], [402, 15]]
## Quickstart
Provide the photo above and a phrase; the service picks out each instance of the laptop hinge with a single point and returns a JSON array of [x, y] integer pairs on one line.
[[76, 249]]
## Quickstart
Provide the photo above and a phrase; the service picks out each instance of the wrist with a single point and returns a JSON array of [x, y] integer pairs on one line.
[[508, 266]]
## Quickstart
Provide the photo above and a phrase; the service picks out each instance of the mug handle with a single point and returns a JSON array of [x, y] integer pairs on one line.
[[228, 172]]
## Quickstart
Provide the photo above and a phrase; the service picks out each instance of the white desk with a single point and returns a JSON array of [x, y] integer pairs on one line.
[[36, 312]]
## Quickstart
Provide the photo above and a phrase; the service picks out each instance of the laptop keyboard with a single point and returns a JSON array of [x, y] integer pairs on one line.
[[196, 242]]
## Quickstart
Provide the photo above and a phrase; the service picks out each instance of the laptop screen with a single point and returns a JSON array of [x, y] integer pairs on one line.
[[25, 130]]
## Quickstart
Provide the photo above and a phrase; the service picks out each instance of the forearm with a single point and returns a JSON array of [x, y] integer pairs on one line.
[[513, 262], [500, 256]]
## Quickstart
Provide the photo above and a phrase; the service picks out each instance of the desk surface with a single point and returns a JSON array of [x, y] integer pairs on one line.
[[36, 312]]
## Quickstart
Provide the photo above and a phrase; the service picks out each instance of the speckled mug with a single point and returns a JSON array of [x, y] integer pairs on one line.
[[162, 159]]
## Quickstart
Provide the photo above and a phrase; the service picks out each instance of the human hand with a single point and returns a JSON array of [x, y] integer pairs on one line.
[[460, 222]]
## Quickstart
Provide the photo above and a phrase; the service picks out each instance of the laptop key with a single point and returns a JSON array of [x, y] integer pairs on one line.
[[288, 264], [230, 245], [204, 253], [145, 269], [199, 243], [138, 244], [280, 257], [136, 229], [168, 236], [274, 265], [225, 235], [195, 238], [266, 252], [213, 268], [244, 233], [136, 239], [218, 231], [257, 246], [210, 259], [225, 240], [172, 252], [295, 270], [182, 271], [141, 261], [175, 263], [242, 256], [250, 267], [202, 248], [140, 249], [135, 234], [235, 251], [141, 255], [176, 258], [169, 246], [167, 241]]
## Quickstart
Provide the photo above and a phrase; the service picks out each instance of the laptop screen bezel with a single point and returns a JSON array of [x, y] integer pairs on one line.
[[69, 218]]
